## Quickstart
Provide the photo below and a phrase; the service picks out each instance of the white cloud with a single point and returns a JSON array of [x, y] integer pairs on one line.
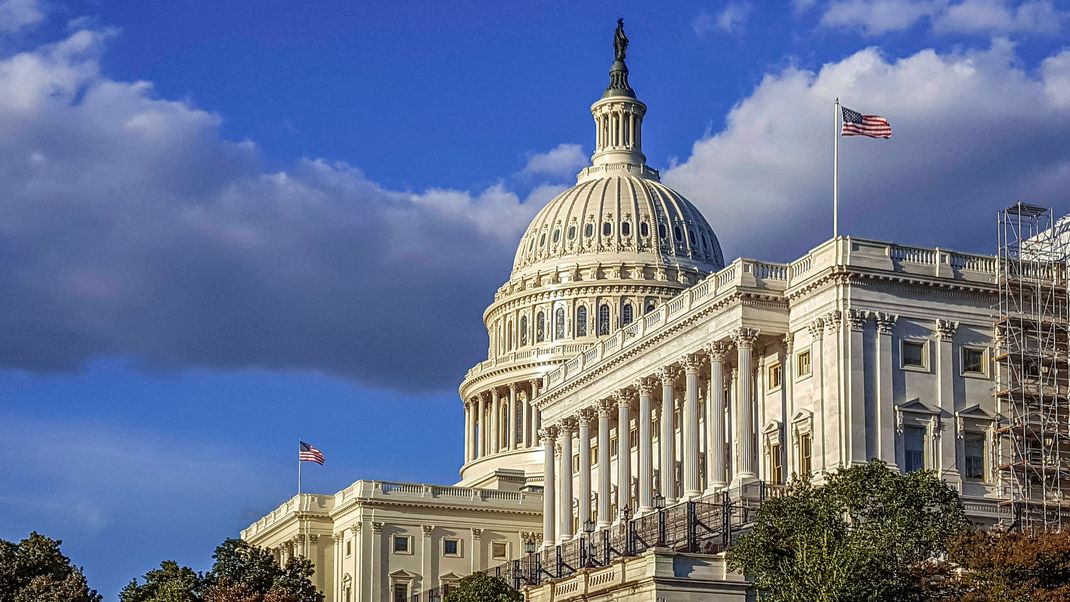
[[18, 14], [998, 16], [132, 227], [973, 133], [562, 161], [875, 17], [731, 19]]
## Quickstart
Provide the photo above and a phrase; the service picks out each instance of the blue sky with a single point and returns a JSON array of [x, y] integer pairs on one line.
[[223, 227]]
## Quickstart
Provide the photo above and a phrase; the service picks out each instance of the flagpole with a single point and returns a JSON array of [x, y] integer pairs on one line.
[[299, 471], [836, 170]]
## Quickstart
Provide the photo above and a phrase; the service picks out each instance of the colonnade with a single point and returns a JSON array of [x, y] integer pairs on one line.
[[727, 392], [501, 419]]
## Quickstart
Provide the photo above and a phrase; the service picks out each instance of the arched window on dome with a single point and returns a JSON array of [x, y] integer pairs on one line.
[[523, 330], [691, 237], [651, 305], [559, 323], [679, 233], [509, 336], [603, 319], [588, 230], [662, 232], [571, 232], [581, 321], [557, 235], [644, 229], [627, 314], [540, 328], [607, 229], [626, 229]]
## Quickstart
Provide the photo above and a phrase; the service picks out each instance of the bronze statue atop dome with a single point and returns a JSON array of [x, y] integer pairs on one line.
[[620, 41]]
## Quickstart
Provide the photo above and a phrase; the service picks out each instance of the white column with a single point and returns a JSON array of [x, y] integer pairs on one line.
[[860, 438], [584, 498], [568, 430], [744, 338], [946, 463], [512, 416], [467, 432], [525, 420], [605, 408], [691, 365], [549, 502], [536, 420], [646, 462], [883, 399], [482, 426], [668, 436], [715, 427], [624, 450], [496, 420]]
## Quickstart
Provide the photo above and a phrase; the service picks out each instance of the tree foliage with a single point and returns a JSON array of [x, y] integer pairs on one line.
[[35, 570], [240, 573], [867, 534], [1010, 567], [479, 587]]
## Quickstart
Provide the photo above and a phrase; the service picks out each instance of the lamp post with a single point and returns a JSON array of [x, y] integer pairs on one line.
[[659, 506], [626, 529], [587, 543]]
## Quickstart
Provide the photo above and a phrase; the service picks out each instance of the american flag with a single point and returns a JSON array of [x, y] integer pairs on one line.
[[857, 124], [307, 453]]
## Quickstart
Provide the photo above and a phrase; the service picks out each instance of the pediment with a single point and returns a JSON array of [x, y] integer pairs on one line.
[[451, 576], [975, 411], [917, 406], [801, 416]]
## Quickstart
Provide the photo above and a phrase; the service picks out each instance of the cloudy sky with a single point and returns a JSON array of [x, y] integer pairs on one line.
[[224, 227]]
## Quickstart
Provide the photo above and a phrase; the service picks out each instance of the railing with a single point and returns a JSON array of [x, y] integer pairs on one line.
[[706, 525]]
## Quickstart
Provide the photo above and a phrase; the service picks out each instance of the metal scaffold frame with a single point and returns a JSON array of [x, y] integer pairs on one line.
[[1032, 331]]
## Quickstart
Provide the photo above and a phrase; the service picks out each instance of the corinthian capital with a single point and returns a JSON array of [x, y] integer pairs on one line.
[[718, 351], [623, 397], [548, 433], [945, 330], [691, 363], [587, 416], [745, 337], [885, 322], [568, 426], [605, 407], [667, 375], [856, 319], [644, 386]]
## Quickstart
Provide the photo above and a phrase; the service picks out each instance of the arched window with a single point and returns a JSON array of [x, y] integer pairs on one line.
[[571, 232], [603, 320], [559, 323], [679, 233], [581, 321], [523, 330], [650, 305], [509, 336], [626, 229], [557, 235], [661, 231], [607, 229], [542, 239], [644, 229], [540, 327], [588, 230], [626, 315]]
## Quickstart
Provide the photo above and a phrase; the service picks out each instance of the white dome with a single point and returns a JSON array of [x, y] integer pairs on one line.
[[626, 216]]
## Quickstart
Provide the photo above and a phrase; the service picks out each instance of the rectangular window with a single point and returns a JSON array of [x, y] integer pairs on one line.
[[774, 376], [401, 593], [575, 463], [914, 448], [913, 354], [613, 447], [973, 360], [499, 550], [451, 547], [401, 544], [633, 438], [349, 547], [974, 452], [776, 468], [676, 419], [805, 454], [802, 364], [594, 455]]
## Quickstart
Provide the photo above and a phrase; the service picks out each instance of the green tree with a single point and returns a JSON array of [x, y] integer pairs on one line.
[[245, 573], [35, 570], [479, 587], [867, 534], [169, 583], [1010, 567]]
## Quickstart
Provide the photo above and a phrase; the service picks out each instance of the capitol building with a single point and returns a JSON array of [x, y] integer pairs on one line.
[[641, 396]]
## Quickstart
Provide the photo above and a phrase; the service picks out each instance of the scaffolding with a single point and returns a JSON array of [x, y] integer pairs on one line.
[[1032, 331]]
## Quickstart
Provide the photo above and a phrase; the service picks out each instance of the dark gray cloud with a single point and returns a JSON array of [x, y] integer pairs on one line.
[[129, 227]]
